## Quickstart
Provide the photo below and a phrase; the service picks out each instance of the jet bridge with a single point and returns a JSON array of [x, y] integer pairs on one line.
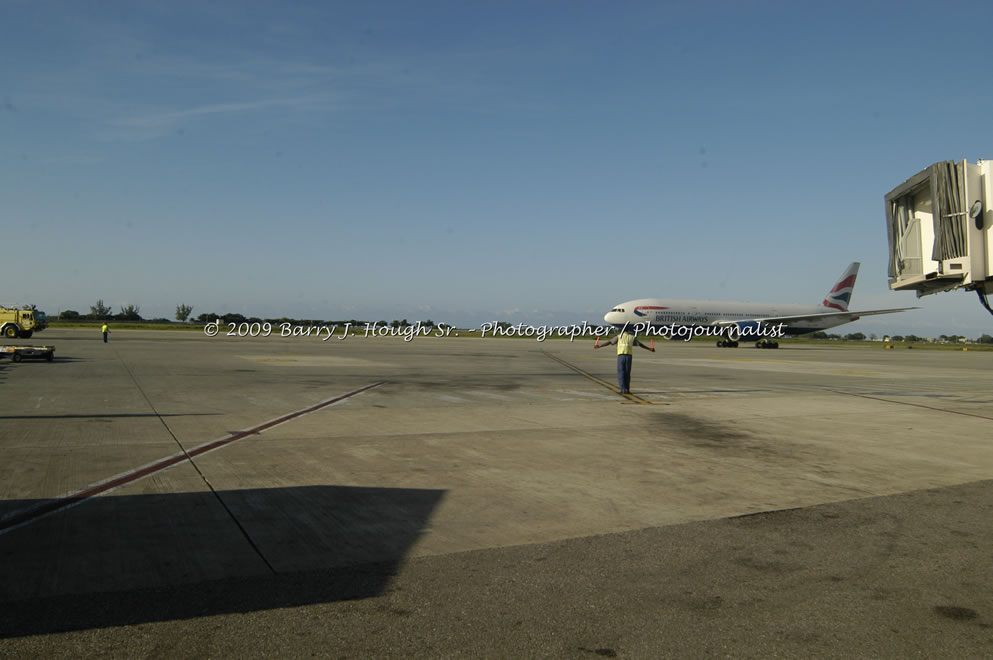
[[940, 229]]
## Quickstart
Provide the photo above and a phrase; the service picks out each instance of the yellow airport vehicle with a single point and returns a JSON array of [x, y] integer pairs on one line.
[[21, 322]]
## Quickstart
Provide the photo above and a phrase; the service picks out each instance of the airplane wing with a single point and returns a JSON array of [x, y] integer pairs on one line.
[[847, 317]]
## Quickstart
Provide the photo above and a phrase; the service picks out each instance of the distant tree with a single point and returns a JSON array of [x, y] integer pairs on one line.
[[873, 337], [233, 318], [986, 339], [820, 334], [206, 318], [855, 336], [130, 313], [100, 311], [912, 338], [428, 324], [69, 315], [183, 312], [897, 338]]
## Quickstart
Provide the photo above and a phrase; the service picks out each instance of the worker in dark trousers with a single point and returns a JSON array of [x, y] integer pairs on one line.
[[105, 330], [626, 341]]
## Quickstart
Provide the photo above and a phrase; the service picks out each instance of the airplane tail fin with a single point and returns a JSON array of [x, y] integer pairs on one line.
[[841, 293]]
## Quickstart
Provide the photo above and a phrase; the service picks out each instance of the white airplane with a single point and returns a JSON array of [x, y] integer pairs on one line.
[[731, 321]]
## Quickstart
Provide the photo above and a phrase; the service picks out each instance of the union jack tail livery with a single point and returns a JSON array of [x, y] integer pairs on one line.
[[841, 293]]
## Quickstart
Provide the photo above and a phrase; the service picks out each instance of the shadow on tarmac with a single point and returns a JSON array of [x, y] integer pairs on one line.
[[113, 561]]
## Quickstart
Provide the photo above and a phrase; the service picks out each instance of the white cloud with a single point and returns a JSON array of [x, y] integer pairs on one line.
[[151, 126]]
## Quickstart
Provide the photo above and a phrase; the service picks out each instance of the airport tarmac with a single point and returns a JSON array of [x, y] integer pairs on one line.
[[170, 494]]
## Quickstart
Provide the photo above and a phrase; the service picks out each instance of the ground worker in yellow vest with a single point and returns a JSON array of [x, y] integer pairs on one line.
[[626, 341], [106, 331]]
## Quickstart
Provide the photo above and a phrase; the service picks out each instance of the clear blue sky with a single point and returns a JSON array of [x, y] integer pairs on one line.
[[467, 161]]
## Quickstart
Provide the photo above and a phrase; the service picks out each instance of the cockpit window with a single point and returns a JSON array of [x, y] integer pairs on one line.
[[617, 309]]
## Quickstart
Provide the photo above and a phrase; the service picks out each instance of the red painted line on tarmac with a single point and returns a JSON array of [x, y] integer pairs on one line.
[[25, 516]]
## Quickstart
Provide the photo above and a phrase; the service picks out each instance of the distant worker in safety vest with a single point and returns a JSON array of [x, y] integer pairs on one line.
[[626, 341], [105, 330]]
